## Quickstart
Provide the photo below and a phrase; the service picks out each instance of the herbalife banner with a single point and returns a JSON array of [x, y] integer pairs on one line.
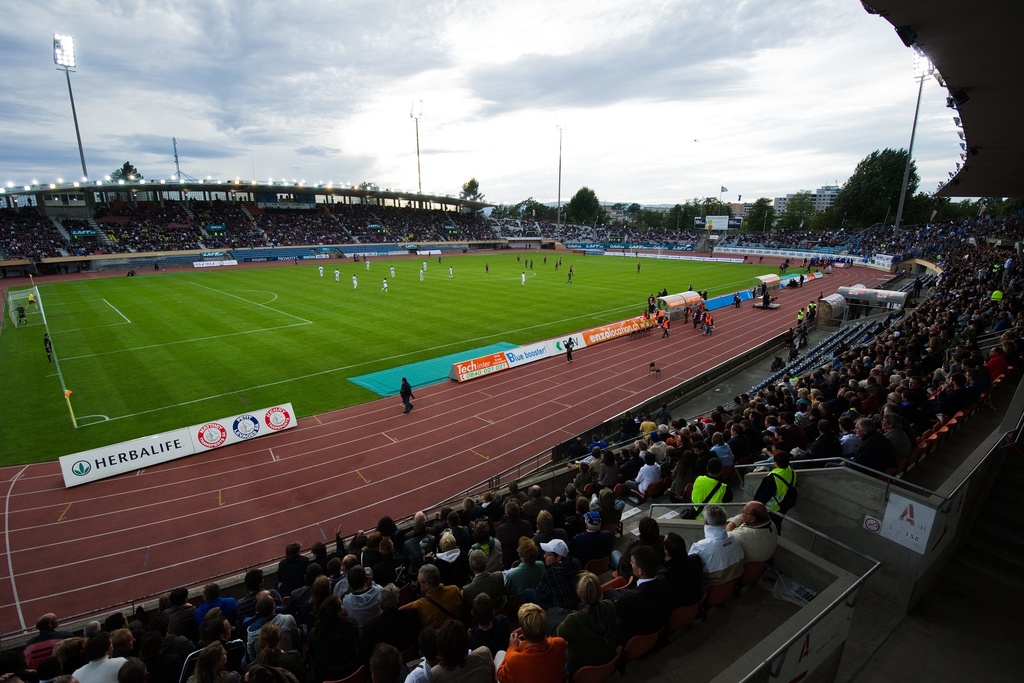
[[108, 461]]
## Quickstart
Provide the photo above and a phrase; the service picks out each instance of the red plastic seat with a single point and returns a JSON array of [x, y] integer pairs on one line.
[[638, 646], [683, 615], [752, 571], [654, 490], [718, 594], [616, 583], [600, 565], [597, 674], [360, 675]]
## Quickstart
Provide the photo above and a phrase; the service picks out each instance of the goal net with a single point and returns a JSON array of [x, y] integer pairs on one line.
[[26, 299]]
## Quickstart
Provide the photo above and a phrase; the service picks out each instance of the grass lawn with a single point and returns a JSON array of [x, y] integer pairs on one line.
[[156, 352]]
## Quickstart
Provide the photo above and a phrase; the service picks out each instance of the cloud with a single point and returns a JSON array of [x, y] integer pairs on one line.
[[780, 96]]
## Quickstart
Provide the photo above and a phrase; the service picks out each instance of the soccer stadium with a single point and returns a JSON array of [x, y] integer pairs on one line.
[[336, 434]]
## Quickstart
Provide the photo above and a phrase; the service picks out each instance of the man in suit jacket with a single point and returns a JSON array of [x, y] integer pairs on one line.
[[643, 609]]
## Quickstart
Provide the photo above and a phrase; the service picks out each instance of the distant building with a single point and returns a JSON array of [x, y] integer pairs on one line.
[[823, 198]]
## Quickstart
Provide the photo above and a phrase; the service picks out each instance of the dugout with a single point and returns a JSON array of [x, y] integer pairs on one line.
[[831, 310], [773, 283], [673, 304], [863, 301]]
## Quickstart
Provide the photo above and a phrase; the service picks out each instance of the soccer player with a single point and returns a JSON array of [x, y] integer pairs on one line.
[[31, 300], [384, 288], [424, 265], [392, 271], [337, 275], [451, 274], [421, 273], [321, 271], [355, 282], [21, 315], [522, 279], [48, 345], [367, 261]]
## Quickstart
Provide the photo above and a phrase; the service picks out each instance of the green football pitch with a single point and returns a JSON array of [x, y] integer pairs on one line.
[[157, 352]]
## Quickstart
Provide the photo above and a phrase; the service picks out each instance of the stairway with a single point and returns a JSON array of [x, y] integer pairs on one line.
[[995, 546]]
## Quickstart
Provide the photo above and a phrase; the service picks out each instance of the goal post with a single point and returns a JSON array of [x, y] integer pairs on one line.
[[26, 298]]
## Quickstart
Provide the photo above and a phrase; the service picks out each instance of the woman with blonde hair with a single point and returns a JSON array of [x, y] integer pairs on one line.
[[532, 655], [591, 630]]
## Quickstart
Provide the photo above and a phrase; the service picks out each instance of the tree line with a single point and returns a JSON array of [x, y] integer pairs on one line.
[[870, 197]]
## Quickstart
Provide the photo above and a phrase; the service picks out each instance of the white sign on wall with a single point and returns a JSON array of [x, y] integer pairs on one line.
[[907, 522]]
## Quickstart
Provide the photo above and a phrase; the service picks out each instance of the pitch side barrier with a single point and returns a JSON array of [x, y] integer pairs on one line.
[[109, 461], [876, 261], [463, 371]]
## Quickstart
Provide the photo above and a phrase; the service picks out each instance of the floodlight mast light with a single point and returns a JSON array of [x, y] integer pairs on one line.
[[558, 214], [64, 58], [416, 113], [923, 68]]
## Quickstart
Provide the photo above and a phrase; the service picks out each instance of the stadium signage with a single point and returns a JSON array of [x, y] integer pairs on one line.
[[212, 254], [527, 354], [464, 371], [478, 367], [109, 461], [214, 264], [596, 335]]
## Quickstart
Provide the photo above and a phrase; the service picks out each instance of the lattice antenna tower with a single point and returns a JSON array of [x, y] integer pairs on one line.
[[177, 166]]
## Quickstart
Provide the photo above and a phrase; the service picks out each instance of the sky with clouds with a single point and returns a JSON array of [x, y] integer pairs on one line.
[[656, 102]]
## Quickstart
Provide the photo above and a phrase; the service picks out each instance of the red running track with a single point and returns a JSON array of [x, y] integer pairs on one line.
[[91, 549]]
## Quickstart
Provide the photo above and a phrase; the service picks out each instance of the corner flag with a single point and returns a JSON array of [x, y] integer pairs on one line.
[[724, 188]]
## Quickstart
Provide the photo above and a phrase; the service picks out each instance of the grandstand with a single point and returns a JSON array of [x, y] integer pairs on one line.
[[846, 568]]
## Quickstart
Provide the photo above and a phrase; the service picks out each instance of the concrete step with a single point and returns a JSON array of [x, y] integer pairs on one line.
[[993, 528], [986, 570]]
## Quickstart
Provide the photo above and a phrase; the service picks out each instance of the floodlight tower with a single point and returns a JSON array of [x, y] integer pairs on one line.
[[64, 58], [923, 68], [416, 113], [558, 215]]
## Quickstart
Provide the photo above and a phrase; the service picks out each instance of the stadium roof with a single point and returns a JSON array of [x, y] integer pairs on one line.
[[257, 191], [977, 49]]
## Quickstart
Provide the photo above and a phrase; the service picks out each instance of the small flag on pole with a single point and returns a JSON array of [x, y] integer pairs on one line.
[[67, 394], [724, 188]]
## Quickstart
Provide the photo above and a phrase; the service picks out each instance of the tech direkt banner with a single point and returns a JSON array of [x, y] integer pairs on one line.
[[108, 461]]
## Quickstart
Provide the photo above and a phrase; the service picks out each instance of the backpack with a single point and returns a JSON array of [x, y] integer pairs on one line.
[[789, 500]]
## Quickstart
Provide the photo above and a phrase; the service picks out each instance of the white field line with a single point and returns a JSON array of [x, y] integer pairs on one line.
[[117, 311], [253, 303], [184, 341], [7, 545]]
